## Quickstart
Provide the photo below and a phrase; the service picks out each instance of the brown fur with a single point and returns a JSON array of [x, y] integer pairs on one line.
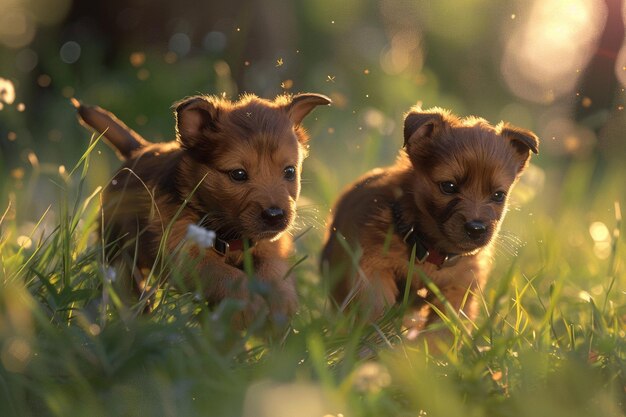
[[479, 158], [163, 188]]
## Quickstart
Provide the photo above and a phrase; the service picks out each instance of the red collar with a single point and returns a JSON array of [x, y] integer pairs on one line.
[[411, 237], [424, 253]]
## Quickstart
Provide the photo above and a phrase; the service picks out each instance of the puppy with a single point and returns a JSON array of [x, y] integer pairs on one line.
[[444, 199], [234, 169]]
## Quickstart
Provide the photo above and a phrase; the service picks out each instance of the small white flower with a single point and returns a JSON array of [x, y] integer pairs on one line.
[[201, 236]]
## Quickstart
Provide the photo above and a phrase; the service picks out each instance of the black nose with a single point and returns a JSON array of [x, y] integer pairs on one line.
[[273, 216], [475, 229]]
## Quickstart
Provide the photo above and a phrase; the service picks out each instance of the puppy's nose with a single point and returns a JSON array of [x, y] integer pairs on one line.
[[273, 216], [475, 229]]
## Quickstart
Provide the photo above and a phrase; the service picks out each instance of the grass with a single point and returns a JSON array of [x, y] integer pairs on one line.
[[550, 339]]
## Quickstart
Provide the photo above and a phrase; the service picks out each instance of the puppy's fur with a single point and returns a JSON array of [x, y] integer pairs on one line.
[[482, 162], [234, 169]]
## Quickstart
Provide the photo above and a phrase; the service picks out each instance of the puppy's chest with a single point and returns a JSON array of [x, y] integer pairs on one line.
[[390, 252], [238, 259], [208, 258], [466, 268], [254, 258]]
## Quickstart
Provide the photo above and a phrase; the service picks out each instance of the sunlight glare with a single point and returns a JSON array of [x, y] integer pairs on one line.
[[599, 232], [16, 354], [543, 55]]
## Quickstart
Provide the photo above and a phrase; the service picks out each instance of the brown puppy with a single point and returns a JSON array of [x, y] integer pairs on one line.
[[444, 198], [235, 170]]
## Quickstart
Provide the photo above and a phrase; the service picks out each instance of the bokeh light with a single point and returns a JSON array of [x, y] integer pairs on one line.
[[16, 354], [402, 53], [70, 52], [602, 239], [545, 54], [19, 19], [371, 377], [17, 28], [137, 59], [566, 137], [26, 60], [265, 399], [214, 41], [599, 232], [180, 44], [7, 91]]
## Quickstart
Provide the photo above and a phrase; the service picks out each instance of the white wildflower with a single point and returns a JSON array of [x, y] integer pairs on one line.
[[201, 236], [7, 91]]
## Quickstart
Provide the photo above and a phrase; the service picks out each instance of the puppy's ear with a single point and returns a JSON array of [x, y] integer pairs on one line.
[[302, 104], [420, 125], [195, 117], [523, 141]]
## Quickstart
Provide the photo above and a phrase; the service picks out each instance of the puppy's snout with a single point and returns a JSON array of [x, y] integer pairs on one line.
[[475, 229], [273, 216]]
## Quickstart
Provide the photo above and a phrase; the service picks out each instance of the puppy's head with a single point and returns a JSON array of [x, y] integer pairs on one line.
[[464, 170], [245, 159]]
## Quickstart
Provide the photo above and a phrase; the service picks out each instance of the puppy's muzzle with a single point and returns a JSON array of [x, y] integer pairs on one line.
[[475, 229]]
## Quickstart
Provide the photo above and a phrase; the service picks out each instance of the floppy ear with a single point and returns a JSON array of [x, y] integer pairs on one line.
[[420, 125], [195, 117], [523, 141], [302, 104]]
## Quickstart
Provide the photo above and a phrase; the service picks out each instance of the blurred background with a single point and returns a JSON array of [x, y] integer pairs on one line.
[[557, 67]]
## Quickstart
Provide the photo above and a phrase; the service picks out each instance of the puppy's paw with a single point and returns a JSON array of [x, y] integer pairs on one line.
[[283, 302], [435, 341], [254, 312], [266, 302]]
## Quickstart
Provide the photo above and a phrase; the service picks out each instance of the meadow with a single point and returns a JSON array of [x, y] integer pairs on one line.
[[550, 339]]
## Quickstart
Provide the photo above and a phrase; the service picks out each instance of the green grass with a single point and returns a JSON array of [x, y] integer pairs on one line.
[[550, 339]]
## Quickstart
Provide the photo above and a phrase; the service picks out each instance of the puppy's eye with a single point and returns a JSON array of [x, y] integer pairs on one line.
[[448, 187], [239, 175], [290, 173], [498, 196]]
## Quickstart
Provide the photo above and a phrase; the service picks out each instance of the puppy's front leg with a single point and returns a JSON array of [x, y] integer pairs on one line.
[[220, 280], [458, 286], [280, 288], [375, 287], [272, 271], [205, 271]]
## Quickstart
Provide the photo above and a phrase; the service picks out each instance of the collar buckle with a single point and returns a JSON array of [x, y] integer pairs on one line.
[[221, 247], [224, 247], [451, 260], [408, 234], [424, 258], [421, 253]]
